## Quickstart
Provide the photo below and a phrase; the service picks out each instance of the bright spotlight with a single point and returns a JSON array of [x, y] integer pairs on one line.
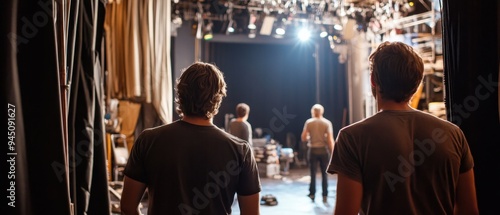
[[304, 34]]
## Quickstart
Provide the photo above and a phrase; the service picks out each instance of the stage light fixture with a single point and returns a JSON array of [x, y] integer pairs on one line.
[[332, 43], [231, 27], [252, 33], [208, 31], [338, 27], [280, 30], [323, 33], [199, 26], [251, 23]]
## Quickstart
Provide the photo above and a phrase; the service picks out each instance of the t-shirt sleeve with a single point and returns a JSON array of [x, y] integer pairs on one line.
[[330, 127], [250, 135], [345, 159], [229, 127], [249, 182], [467, 161], [135, 164]]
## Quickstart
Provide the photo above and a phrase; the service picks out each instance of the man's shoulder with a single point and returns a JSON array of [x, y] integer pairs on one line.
[[361, 124], [326, 120], [160, 128]]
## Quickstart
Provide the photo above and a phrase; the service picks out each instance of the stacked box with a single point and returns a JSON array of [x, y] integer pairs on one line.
[[267, 160], [268, 170]]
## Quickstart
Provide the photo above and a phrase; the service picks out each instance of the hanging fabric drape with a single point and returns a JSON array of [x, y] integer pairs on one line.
[[86, 134], [471, 73], [50, 148], [34, 89], [138, 53], [20, 202]]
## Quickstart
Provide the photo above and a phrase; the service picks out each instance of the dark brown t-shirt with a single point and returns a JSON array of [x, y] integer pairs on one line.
[[191, 169], [407, 161]]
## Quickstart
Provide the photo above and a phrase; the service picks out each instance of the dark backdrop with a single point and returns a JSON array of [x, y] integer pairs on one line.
[[278, 82]]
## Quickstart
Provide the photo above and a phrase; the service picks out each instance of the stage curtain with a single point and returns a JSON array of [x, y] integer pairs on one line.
[[11, 99], [86, 134], [471, 73], [54, 82], [33, 86], [138, 53]]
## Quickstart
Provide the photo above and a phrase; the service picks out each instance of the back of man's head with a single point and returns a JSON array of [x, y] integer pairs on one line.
[[397, 70], [317, 110], [242, 110], [200, 90]]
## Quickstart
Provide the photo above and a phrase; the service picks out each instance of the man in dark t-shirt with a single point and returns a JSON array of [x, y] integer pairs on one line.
[[402, 160], [190, 166]]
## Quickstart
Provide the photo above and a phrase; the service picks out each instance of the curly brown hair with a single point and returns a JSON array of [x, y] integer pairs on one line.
[[200, 90], [397, 70]]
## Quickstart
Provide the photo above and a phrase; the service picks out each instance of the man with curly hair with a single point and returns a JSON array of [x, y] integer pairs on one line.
[[190, 166]]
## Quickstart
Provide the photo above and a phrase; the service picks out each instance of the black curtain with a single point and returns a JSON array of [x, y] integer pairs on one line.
[[86, 132], [471, 69], [33, 86], [278, 82], [333, 86], [17, 195], [34, 98]]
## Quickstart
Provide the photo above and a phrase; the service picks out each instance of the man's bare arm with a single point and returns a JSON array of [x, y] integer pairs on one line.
[[329, 138], [131, 196], [249, 205], [466, 202], [349, 195]]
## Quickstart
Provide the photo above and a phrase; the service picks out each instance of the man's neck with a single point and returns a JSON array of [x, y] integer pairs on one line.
[[198, 120], [241, 119], [392, 105]]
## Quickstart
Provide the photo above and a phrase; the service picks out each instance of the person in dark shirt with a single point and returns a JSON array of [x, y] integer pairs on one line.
[[240, 126], [402, 160], [190, 166]]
